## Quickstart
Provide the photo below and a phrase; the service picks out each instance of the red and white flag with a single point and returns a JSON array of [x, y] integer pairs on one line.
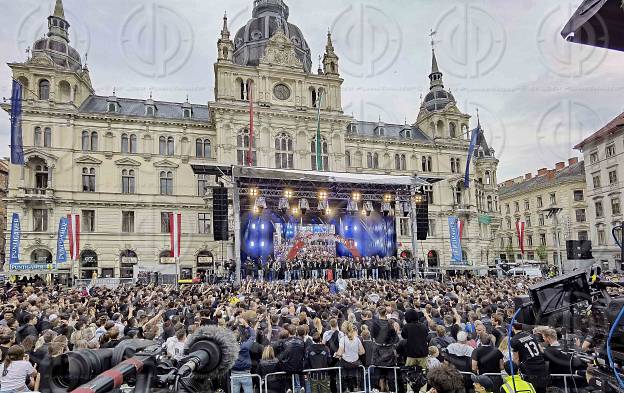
[[74, 236], [520, 232], [175, 232], [460, 228], [251, 123]]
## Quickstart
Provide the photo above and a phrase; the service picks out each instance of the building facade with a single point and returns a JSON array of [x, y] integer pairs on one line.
[[4, 186], [603, 152], [553, 207], [123, 164]]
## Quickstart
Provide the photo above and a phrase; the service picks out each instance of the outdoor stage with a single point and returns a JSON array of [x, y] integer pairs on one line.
[[284, 213]]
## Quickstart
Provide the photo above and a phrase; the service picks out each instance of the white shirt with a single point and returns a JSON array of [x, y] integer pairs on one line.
[[351, 349], [16, 375], [175, 348], [328, 334]]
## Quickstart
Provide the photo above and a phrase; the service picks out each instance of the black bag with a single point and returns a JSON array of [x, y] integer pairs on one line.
[[333, 343], [385, 356]]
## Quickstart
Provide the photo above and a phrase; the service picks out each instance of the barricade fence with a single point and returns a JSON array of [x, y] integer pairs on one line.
[[111, 283], [330, 378]]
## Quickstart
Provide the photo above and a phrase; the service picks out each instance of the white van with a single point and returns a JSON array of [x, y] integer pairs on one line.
[[526, 271]]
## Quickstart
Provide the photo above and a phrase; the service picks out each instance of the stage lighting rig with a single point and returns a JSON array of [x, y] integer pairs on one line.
[[387, 198], [254, 192], [322, 205], [288, 194], [405, 207], [386, 208], [368, 208], [352, 206], [283, 204], [304, 205], [356, 196], [322, 195], [418, 198]]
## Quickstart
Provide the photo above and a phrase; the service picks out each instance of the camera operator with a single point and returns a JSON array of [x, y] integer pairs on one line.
[[558, 361], [528, 355]]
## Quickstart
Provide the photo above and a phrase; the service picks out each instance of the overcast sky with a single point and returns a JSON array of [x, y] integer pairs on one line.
[[537, 94]]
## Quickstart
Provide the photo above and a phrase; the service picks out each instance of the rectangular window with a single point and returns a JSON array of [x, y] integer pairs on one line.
[[528, 221], [127, 181], [404, 226], [527, 205], [582, 235], [601, 237], [88, 221], [599, 211], [542, 239], [540, 203], [610, 151], [127, 222], [580, 215], [40, 220], [507, 208], [202, 184], [593, 157], [615, 206], [88, 180], [203, 221], [516, 206], [429, 193], [596, 180], [530, 241], [541, 220], [553, 198], [164, 222], [432, 229], [578, 196], [613, 177]]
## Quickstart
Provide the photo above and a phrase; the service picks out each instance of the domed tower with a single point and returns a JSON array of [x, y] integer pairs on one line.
[[268, 17], [438, 98], [54, 72]]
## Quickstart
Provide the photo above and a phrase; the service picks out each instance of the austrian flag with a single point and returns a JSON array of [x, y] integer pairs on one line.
[[74, 236], [175, 224]]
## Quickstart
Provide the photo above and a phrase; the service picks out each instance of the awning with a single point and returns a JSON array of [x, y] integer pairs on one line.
[[598, 23]]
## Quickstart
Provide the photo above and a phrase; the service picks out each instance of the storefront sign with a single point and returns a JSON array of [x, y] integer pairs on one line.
[[167, 260], [130, 260], [205, 260]]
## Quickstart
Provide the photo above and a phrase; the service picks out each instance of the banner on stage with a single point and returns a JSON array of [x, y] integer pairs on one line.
[[61, 254], [454, 236], [15, 240]]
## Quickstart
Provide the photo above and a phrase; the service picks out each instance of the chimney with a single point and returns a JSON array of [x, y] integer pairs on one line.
[[528, 176], [573, 160], [551, 174], [509, 183], [559, 166], [542, 171]]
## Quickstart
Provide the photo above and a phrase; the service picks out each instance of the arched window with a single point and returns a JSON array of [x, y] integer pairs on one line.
[[369, 160], [88, 179], [488, 177], [489, 203], [125, 143], [170, 146], [348, 159], [432, 259], [44, 89], [313, 97], [162, 146], [324, 155], [166, 183], [37, 137], [397, 162], [284, 157], [243, 142], [376, 161], [459, 188], [403, 162], [94, 141], [85, 141], [453, 130], [427, 163], [243, 89], [203, 148], [41, 177], [133, 143], [47, 137], [128, 181]]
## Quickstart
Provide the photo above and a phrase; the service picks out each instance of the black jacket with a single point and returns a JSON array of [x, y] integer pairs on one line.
[[416, 335], [383, 333], [291, 357], [25, 331]]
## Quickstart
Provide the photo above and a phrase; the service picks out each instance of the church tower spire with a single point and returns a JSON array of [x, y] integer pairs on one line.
[[225, 46], [435, 77], [58, 27], [330, 60]]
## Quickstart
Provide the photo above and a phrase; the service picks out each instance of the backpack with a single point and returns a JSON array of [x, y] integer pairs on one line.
[[317, 358], [333, 343]]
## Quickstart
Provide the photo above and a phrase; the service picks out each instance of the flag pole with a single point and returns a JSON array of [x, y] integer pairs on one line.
[[318, 133], [251, 122]]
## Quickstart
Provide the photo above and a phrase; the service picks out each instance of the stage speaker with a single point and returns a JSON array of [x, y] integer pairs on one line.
[[579, 249], [422, 220], [220, 213]]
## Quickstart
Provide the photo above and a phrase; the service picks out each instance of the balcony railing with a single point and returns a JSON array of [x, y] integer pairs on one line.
[[34, 193]]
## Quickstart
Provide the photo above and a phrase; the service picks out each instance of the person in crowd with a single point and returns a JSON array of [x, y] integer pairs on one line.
[[432, 358], [349, 351], [527, 354], [18, 375], [513, 382], [445, 379], [269, 364], [317, 356], [483, 384], [241, 371], [415, 333], [487, 359]]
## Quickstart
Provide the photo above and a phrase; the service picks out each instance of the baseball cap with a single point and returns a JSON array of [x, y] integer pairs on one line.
[[484, 381]]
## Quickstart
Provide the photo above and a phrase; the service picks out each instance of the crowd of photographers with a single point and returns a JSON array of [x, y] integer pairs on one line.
[[289, 327]]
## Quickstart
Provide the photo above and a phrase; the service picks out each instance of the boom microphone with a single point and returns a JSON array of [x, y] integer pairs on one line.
[[211, 351]]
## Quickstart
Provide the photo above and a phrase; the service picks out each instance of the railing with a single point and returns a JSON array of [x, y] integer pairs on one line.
[[34, 192], [273, 375], [396, 381], [245, 376], [111, 283]]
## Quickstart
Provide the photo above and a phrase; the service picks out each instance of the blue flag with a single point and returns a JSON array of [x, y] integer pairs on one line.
[[473, 143], [456, 251], [61, 253], [15, 240], [17, 147]]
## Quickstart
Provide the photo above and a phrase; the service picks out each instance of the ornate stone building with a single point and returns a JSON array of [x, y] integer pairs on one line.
[[553, 206], [4, 186], [124, 163]]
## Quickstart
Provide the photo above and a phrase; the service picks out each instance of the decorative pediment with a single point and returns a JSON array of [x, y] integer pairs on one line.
[[88, 160], [281, 51], [165, 164], [127, 162], [35, 152], [39, 58]]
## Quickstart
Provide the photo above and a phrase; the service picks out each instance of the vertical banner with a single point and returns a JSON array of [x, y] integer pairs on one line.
[[175, 224], [473, 143], [454, 236], [251, 123], [15, 240], [520, 233], [17, 147], [61, 254], [319, 145], [74, 236]]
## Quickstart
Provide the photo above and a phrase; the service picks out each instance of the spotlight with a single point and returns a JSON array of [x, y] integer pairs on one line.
[[322, 195], [356, 196], [387, 198], [254, 192], [418, 198], [364, 213], [288, 194], [328, 212], [304, 205]]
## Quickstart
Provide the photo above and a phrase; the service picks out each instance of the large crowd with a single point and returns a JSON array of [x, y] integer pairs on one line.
[[439, 328]]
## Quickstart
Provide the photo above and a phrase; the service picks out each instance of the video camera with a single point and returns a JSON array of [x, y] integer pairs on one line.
[[209, 353]]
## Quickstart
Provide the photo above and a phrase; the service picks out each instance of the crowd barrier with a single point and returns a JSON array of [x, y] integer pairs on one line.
[[245, 376], [396, 381], [111, 283]]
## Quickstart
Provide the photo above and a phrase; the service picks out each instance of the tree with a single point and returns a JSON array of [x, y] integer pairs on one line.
[[510, 251], [541, 252]]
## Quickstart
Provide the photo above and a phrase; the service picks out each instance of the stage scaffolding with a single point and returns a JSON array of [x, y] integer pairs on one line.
[[271, 184]]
